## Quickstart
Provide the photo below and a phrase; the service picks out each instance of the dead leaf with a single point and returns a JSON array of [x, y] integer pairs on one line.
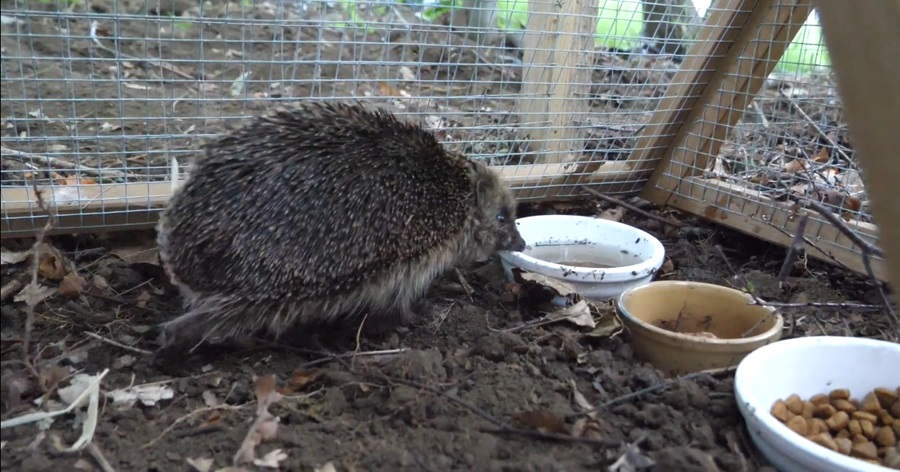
[[33, 294], [578, 314], [13, 257], [72, 285], [265, 426], [51, 376], [209, 398], [200, 464], [579, 398], [407, 73], [542, 420], [148, 395], [632, 460], [52, 266], [387, 90], [667, 267], [795, 166], [271, 459], [328, 467], [822, 156], [561, 288], [299, 379], [607, 326], [615, 213]]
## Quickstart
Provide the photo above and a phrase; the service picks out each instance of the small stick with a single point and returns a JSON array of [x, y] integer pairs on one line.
[[9, 289], [465, 284], [98, 456], [835, 305], [815, 125], [58, 162], [842, 227], [119, 345], [121, 55], [550, 436], [631, 207], [793, 249], [653, 388], [35, 263]]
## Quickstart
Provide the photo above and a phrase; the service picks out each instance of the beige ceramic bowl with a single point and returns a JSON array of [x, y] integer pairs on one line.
[[727, 322]]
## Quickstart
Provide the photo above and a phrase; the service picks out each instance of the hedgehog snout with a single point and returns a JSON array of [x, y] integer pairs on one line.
[[509, 238]]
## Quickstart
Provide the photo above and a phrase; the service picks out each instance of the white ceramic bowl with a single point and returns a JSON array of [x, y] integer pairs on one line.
[[600, 258], [807, 366]]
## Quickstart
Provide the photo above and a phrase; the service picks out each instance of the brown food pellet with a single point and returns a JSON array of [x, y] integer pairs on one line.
[[865, 450], [838, 421], [870, 403], [841, 393], [885, 436], [824, 411], [843, 405], [843, 445], [886, 397], [819, 399], [798, 425], [794, 404], [825, 439], [867, 429], [864, 415], [780, 411]]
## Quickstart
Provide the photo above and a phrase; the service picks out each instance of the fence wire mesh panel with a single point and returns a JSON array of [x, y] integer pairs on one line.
[[106, 101], [773, 137]]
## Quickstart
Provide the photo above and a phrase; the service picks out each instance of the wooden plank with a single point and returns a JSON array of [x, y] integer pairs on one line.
[[558, 59], [862, 37], [751, 60], [84, 208], [749, 212], [715, 38]]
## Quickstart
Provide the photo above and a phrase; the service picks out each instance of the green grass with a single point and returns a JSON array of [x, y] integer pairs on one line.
[[807, 53]]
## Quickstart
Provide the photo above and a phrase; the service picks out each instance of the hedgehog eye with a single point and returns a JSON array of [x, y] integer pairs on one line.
[[501, 218]]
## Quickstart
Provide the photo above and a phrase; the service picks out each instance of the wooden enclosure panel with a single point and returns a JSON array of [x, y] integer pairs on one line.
[[864, 39]]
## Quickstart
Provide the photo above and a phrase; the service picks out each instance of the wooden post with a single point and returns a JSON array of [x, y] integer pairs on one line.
[[863, 39], [558, 57]]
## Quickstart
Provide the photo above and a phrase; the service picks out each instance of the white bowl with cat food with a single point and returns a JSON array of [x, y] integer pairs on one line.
[[806, 367], [599, 258]]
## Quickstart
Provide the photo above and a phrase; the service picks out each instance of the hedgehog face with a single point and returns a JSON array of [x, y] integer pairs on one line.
[[495, 220]]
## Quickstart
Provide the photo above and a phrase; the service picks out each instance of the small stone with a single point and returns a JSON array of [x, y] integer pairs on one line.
[[864, 450], [838, 421], [798, 425], [885, 436]]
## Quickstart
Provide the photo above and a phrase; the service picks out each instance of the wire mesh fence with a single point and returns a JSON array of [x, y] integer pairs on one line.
[[102, 99], [106, 101], [759, 163]]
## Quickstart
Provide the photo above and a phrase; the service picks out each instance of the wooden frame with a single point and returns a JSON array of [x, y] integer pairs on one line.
[[862, 37]]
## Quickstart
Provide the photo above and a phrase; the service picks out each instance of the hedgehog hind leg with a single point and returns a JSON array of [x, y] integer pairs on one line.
[[207, 321]]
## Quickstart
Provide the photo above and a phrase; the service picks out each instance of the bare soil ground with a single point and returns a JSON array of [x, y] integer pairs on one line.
[[474, 384]]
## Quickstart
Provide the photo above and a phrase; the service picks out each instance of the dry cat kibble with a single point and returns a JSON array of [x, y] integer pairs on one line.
[[866, 427]]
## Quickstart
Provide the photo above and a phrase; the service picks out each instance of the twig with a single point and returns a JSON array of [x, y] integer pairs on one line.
[[651, 389], [121, 55], [464, 283], [550, 436], [98, 456], [842, 227], [50, 162], [631, 207], [866, 249], [10, 288], [30, 299], [191, 415], [815, 125], [795, 247], [835, 305], [119, 345]]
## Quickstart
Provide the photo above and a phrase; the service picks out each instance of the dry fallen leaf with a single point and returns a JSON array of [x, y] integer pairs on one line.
[[541, 420], [265, 426], [299, 379], [794, 166], [34, 294], [615, 213], [52, 265], [578, 314], [632, 460], [13, 257], [72, 285], [271, 459], [822, 155], [148, 395], [200, 464]]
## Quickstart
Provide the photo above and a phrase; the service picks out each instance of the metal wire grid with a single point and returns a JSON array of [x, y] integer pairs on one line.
[[103, 100], [790, 144]]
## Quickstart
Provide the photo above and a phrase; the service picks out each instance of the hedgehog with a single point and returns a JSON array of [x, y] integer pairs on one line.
[[323, 214]]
